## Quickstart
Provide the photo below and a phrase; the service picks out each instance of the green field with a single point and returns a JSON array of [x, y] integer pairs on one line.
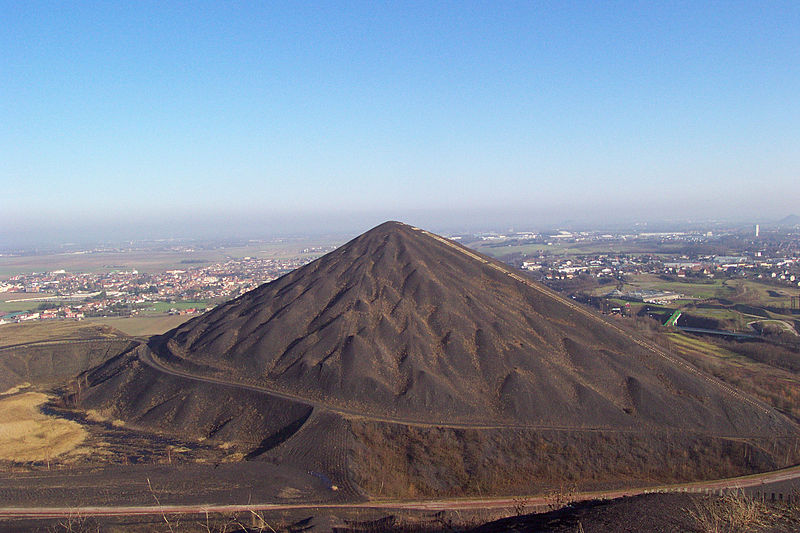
[[718, 314], [37, 331], [756, 294], [18, 306], [700, 346], [499, 249], [737, 290], [149, 307], [713, 288], [29, 304]]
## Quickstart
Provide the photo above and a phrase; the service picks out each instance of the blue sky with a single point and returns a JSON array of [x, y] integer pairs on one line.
[[165, 113]]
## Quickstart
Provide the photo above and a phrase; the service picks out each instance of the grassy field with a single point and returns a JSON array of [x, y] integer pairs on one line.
[[18, 306], [26, 434], [755, 294], [500, 250], [13, 307], [774, 385], [714, 288], [31, 301], [699, 291], [728, 319], [153, 320], [686, 343], [143, 325], [719, 314], [760, 294], [747, 292]]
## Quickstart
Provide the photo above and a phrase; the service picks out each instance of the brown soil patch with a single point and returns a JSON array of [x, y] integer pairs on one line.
[[143, 325]]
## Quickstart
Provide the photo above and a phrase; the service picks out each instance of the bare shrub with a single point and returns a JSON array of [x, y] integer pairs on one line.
[[75, 522], [519, 505], [561, 497], [793, 507], [732, 513]]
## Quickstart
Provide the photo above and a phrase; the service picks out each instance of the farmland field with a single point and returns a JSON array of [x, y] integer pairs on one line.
[[700, 290], [11, 302], [502, 249], [143, 325], [164, 307], [772, 384], [155, 260]]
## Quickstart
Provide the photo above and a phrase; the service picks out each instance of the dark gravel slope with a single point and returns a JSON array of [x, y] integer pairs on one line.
[[399, 322]]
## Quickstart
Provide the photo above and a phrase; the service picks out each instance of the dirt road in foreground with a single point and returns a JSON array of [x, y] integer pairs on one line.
[[745, 482]]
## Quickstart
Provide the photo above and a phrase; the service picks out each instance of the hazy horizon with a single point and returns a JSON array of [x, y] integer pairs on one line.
[[214, 227], [151, 120]]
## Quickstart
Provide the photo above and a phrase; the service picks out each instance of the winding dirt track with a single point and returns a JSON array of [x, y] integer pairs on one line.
[[147, 357], [12, 347], [715, 486]]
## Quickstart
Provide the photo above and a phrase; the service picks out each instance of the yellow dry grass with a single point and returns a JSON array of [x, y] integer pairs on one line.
[[26, 434], [102, 416], [15, 389]]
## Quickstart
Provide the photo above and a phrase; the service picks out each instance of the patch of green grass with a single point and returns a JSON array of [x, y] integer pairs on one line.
[[17, 306], [756, 293], [557, 248], [34, 305], [694, 290], [686, 342], [718, 314], [691, 289], [616, 302]]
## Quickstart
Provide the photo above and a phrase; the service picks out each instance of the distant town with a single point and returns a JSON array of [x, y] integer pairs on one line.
[[773, 257], [59, 294], [559, 258]]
